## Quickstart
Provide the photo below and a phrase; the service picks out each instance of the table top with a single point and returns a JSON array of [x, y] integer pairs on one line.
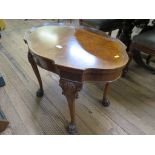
[[76, 47]]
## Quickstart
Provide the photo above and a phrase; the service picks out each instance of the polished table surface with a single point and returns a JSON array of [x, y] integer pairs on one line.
[[77, 48], [76, 54]]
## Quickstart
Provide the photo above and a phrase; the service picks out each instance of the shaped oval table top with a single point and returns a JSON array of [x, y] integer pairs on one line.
[[76, 47]]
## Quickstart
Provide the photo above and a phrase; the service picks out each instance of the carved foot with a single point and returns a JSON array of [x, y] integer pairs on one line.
[[72, 129], [105, 102], [40, 93]]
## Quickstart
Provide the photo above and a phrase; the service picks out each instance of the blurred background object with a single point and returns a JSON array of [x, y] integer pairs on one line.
[[2, 82], [2, 26]]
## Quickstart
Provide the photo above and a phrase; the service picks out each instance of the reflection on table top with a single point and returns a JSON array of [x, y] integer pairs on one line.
[[77, 47]]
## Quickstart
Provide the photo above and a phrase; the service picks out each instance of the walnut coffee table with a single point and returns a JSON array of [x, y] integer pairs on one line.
[[76, 54]]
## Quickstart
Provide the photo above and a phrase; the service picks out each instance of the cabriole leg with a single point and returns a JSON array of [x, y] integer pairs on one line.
[[105, 100], [70, 90], [40, 91]]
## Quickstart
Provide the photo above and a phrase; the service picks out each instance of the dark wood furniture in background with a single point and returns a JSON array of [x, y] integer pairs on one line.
[[144, 42], [76, 55]]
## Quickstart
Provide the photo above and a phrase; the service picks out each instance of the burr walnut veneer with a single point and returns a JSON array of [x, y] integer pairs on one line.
[[76, 54]]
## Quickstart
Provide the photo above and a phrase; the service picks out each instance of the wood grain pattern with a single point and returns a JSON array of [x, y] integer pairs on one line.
[[131, 111], [76, 47]]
